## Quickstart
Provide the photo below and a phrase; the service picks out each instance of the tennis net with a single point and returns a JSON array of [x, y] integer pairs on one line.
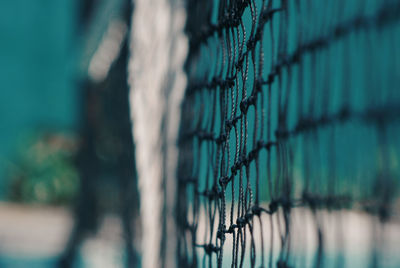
[[289, 126]]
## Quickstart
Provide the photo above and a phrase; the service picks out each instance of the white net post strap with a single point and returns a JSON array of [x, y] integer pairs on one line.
[[158, 49]]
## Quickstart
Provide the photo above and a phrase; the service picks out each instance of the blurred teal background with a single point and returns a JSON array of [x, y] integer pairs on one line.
[[37, 57]]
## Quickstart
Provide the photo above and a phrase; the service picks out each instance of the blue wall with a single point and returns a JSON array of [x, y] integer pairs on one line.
[[37, 86]]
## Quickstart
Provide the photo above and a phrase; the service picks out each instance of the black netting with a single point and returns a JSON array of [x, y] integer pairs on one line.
[[289, 120]]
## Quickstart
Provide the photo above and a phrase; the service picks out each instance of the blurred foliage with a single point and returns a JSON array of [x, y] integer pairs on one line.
[[44, 171]]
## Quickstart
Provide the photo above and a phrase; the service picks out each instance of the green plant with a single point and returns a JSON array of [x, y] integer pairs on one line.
[[44, 171]]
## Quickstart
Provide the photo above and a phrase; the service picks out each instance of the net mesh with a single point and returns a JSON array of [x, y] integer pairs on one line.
[[289, 121]]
